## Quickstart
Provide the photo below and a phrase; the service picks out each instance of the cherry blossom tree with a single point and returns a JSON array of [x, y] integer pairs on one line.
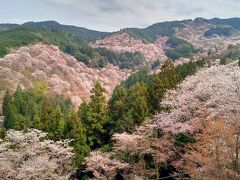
[[104, 165], [31, 156], [213, 94], [141, 145]]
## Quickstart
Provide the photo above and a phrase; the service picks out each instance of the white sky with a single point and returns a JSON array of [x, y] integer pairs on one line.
[[111, 15]]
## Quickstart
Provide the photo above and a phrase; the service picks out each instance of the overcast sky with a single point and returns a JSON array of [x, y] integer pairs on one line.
[[111, 15]]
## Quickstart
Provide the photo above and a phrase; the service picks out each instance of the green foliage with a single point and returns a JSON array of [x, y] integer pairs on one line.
[[80, 32], [167, 79], [118, 110], [140, 95], [152, 32], [94, 116], [123, 60], [189, 68], [233, 22], [231, 54], [137, 102], [223, 62], [155, 64], [140, 76], [74, 129], [129, 104], [33, 109], [12, 146], [179, 48], [70, 44], [220, 31], [2, 133], [9, 111], [128, 108], [182, 139], [134, 100], [107, 147]]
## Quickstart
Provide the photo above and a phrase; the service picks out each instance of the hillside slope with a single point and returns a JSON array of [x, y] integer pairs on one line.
[[123, 42], [199, 38], [196, 137], [80, 32], [62, 72]]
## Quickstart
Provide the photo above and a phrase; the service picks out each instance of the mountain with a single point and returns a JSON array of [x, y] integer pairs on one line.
[[187, 39], [6, 26], [62, 73], [80, 32], [68, 43], [177, 116], [123, 42], [193, 39], [169, 28], [233, 22], [152, 32]]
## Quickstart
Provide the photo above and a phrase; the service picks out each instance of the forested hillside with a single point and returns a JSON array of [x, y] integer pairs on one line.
[[80, 32], [62, 73], [196, 134], [96, 121], [68, 43], [160, 102]]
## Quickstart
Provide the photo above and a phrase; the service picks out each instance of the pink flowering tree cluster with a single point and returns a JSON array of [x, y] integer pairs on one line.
[[212, 93], [139, 146], [31, 156], [104, 165]]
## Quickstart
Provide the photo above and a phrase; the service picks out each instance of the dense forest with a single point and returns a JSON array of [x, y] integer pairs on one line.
[[80, 32], [151, 33], [165, 121], [70, 44], [93, 125], [232, 53], [179, 48], [220, 31]]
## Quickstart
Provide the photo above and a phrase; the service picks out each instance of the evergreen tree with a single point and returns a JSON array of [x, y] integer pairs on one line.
[[37, 122], [118, 109], [58, 124], [33, 109], [46, 115], [9, 111], [168, 78], [19, 101], [95, 116], [138, 103], [74, 130], [189, 68]]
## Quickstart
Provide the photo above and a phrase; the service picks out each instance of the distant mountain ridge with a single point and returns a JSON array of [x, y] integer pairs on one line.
[[150, 33], [193, 39], [80, 32], [167, 28]]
